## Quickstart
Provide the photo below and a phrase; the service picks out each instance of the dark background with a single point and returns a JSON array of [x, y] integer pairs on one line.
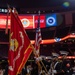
[[45, 6]]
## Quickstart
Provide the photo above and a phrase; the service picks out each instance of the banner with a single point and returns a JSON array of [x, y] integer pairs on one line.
[[42, 21], [51, 20], [27, 21], [20, 46]]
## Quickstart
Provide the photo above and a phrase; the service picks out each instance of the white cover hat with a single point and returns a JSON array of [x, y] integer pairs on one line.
[[64, 52], [49, 57], [55, 54]]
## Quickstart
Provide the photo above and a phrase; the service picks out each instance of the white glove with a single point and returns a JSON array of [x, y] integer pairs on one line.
[[54, 71]]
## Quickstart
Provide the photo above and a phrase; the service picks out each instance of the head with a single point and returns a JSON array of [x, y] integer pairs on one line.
[[55, 56], [68, 65], [64, 54]]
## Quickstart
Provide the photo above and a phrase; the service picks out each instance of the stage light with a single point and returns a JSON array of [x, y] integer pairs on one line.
[[6, 10], [3, 10], [66, 4]]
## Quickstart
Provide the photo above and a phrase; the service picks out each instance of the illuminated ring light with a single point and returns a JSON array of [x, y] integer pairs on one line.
[[25, 22], [50, 21]]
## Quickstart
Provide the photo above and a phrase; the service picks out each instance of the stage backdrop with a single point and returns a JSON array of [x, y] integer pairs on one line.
[[31, 21]]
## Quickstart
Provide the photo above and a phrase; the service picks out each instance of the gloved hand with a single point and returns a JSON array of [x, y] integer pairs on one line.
[[54, 71]]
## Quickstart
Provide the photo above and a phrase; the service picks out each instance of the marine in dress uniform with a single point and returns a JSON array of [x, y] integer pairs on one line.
[[55, 65], [66, 64], [68, 69]]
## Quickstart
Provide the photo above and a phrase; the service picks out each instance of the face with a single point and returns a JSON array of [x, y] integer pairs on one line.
[[68, 65], [64, 56], [55, 59]]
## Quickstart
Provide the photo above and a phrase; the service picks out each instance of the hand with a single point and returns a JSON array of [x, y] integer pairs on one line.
[[54, 71]]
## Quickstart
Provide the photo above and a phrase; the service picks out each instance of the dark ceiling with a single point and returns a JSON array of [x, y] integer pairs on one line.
[[43, 5]]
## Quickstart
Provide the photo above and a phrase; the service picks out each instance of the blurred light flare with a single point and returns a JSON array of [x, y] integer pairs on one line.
[[66, 4]]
